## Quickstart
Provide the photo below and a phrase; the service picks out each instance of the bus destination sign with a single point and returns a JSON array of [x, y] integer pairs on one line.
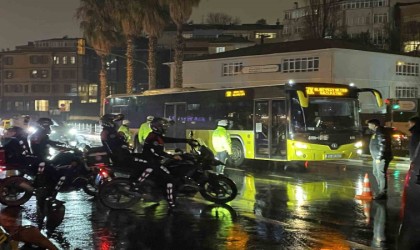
[[326, 91], [235, 93]]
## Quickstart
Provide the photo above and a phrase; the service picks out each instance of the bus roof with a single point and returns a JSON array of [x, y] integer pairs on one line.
[[192, 89]]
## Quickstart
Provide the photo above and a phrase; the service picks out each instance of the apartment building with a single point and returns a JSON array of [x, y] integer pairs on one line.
[[351, 18], [47, 77]]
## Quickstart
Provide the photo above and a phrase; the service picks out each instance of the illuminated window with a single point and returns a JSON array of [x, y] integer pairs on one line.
[[93, 100], [56, 59], [72, 60], [9, 74], [64, 59], [36, 73], [187, 35], [410, 46], [64, 105], [406, 92], [220, 49], [41, 105], [231, 69], [407, 69], [93, 89], [266, 35]]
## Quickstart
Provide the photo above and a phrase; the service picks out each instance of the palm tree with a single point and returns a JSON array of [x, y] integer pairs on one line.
[[126, 13], [180, 11], [154, 18], [100, 33]]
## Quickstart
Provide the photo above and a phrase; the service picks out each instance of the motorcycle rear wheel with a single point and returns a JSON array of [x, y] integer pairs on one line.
[[219, 189], [117, 194], [91, 188], [10, 192]]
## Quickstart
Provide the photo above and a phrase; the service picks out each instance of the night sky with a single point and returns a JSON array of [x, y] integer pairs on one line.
[[28, 20]]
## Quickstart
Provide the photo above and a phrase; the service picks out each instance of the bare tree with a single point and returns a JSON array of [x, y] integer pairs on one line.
[[261, 21], [321, 18], [221, 18]]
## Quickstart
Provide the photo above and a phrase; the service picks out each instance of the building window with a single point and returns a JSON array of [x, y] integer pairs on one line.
[[8, 60], [187, 35], [220, 49], [93, 100], [40, 88], [410, 46], [9, 74], [407, 69], [406, 92], [270, 35], [38, 59], [72, 60], [285, 30], [68, 74], [378, 37], [64, 59], [67, 88], [64, 105], [15, 88], [230, 69], [56, 59], [307, 64], [41, 105], [19, 106], [380, 18], [93, 90], [37, 73]]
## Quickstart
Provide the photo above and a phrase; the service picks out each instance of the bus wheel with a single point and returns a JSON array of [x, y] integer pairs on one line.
[[238, 155]]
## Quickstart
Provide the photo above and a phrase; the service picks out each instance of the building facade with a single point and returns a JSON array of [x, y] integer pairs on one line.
[[371, 20], [47, 78], [328, 61]]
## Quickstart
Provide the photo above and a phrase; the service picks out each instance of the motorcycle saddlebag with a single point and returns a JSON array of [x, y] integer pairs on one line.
[[97, 156]]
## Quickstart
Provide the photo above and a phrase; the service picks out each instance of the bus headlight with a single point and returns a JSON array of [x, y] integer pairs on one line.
[[359, 151], [301, 145], [73, 131], [358, 144]]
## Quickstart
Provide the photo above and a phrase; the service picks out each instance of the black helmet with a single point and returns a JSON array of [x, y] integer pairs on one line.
[[108, 120], [45, 122], [159, 125]]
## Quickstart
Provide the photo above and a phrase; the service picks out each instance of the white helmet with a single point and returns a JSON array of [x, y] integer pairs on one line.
[[222, 123], [150, 118], [125, 122]]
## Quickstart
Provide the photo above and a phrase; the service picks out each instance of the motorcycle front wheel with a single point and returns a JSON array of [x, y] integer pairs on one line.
[[118, 194], [92, 187], [12, 193], [219, 189]]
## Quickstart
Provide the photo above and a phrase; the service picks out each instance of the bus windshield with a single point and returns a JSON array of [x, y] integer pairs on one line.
[[325, 114]]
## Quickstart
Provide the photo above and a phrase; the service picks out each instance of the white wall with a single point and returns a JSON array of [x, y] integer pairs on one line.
[[208, 73]]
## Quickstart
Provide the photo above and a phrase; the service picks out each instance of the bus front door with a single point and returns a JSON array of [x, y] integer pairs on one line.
[[177, 113], [270, 129]]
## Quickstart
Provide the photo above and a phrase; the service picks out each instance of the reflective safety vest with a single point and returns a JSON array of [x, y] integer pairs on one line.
[[144, 131], [221, 140], [126, 131]]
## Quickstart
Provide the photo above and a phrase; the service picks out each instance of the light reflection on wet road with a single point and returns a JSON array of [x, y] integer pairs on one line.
[[276, 209]]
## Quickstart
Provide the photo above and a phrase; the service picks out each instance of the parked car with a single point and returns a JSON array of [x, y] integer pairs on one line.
[[399, 140]]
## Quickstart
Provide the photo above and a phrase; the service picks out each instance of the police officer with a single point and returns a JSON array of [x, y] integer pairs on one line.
[[144, 131], [40, 139], [222, 144], [154, 153], [113, 141], [380, 150], [125, 131]]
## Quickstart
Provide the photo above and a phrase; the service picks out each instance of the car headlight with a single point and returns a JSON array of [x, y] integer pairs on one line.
[[358, 144]]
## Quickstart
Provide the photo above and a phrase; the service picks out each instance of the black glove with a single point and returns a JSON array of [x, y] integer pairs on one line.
[[193, 142]]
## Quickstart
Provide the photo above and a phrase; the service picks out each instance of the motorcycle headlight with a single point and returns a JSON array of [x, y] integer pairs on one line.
[[73, 143], [31, 130]]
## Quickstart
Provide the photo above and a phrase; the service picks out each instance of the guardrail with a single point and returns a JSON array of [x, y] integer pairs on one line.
[[87, 128]]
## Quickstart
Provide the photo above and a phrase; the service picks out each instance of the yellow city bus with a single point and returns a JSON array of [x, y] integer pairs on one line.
[[297, 122]]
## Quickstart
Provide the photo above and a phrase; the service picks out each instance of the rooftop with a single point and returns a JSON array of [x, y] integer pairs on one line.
[[293, 46]]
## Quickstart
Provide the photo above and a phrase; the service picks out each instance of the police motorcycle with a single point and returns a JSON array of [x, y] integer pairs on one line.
[[193, 174], [81, 169]]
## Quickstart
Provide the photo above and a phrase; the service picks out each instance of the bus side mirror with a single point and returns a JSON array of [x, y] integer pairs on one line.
[[303, 100], [378, 98]]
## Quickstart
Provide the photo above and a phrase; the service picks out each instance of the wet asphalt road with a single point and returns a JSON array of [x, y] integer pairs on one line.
[[276, 209]]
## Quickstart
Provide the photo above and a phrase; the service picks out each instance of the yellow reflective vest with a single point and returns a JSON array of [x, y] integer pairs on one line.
[[126, 131], [144, 131], [221, 140]]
